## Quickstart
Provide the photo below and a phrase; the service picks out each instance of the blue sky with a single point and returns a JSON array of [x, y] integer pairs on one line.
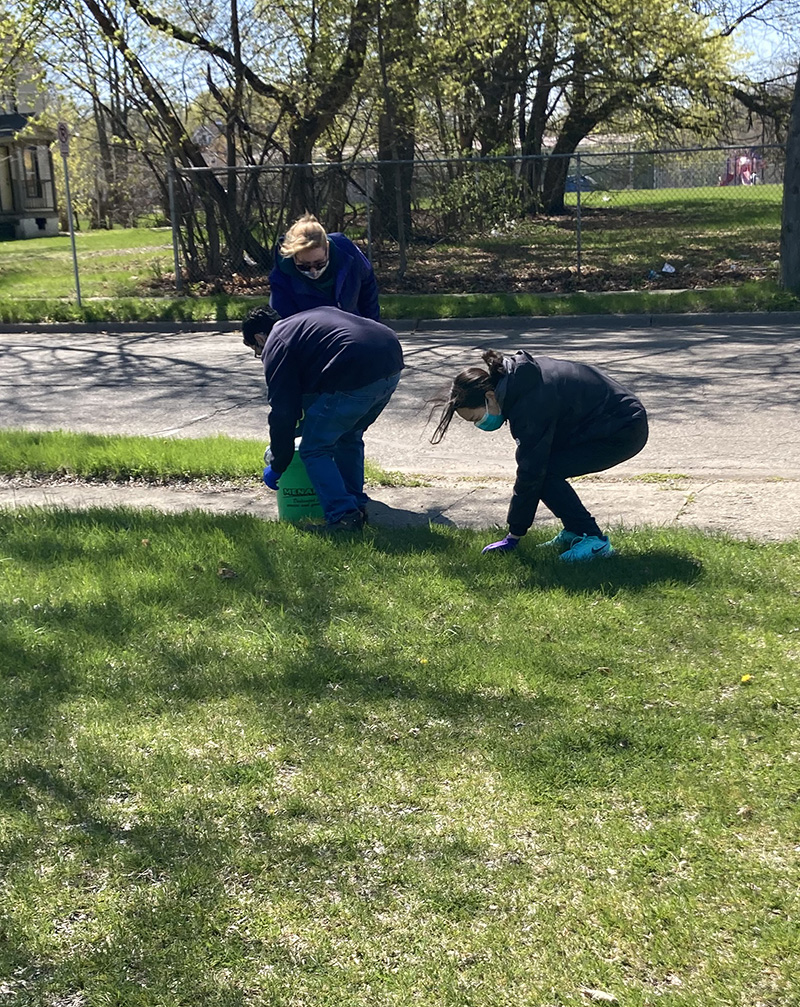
[[769, 46]]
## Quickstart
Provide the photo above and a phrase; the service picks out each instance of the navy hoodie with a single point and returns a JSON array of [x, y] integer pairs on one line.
[[322, 350], [552, 404]]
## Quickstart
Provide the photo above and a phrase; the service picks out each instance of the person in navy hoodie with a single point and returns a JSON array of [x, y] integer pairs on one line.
[[314, 269], [336, 371]]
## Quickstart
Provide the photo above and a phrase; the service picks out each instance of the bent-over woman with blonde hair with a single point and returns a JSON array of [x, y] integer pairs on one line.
[[314, 269]]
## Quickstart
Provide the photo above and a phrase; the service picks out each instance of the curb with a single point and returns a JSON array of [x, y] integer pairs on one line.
[[112, 328], [639, 321]]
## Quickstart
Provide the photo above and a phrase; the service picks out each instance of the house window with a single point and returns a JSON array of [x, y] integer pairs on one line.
[[33, 179]]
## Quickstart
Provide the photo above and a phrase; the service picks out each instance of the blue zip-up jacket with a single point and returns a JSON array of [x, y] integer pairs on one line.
[[324, 350], [355, 288]]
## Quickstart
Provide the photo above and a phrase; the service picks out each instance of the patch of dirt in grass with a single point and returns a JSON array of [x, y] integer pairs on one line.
[[591, 280], [485, 275], [521, 278]]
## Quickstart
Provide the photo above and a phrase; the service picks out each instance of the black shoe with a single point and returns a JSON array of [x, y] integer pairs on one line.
[[352, 521]]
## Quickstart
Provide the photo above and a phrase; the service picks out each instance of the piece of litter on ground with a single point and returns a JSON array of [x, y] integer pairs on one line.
[[599, 996]]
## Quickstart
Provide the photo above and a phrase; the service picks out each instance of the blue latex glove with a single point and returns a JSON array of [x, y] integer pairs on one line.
[[271, 478], [504, 545]]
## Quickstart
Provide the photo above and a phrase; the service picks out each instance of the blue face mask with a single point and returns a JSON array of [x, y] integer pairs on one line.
[[490, 421]]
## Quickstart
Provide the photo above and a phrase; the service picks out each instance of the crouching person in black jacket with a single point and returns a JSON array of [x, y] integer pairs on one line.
[[568, 419], [337, 371]]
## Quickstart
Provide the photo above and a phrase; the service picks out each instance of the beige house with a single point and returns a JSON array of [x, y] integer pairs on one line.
[[27, 193]]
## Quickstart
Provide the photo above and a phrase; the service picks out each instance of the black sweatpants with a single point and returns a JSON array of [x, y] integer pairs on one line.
[[594, 456]]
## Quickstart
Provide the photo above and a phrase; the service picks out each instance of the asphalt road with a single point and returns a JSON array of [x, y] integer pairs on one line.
[[722, 393]]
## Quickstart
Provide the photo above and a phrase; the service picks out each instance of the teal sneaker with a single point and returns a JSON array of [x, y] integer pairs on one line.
[[588, 547], [564, 538]]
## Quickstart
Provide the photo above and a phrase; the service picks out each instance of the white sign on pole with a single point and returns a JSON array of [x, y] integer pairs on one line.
[[63, 138]]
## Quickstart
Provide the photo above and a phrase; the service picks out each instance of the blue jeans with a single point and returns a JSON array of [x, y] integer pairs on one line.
[[332, 444]]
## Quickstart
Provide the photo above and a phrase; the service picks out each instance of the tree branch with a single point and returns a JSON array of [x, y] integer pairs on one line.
[[260, 86]]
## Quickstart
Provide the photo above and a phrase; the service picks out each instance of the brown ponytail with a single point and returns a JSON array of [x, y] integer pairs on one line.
[[468, 391], [494, 363]]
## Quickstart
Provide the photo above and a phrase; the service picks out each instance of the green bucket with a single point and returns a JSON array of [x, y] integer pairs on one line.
[[297, 499]]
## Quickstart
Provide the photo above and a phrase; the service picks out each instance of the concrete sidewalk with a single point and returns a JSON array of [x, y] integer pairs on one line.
[[766, 510]]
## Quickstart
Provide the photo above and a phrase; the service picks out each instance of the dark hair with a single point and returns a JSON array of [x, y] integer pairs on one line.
[[259, 320], [468, 391]]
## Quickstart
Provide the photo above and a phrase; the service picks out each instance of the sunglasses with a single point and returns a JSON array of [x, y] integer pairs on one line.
[[306, 267]]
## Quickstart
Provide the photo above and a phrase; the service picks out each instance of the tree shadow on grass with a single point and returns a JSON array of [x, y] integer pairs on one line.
[[167, 873], [380, 706], [212, 839], [544, 571], [176, 869], [273, 585], [620, 572]]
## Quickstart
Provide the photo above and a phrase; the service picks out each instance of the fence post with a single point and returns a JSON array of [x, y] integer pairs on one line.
[[173, 216], [578, 215], [402, 243], [368, 198]]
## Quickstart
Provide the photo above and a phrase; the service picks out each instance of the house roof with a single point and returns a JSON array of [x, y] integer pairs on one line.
[[12, 122]]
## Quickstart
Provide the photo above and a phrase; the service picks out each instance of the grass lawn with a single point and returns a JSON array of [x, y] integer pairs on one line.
[[248, 766], [722, 242], [752, 296], [739, 226], [153, 459], [118, 263]]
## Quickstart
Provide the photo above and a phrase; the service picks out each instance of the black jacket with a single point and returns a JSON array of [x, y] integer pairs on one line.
[[321, 350], [550, 405]]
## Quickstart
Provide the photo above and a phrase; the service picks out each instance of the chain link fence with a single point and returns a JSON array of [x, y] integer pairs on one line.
[[608, 220]]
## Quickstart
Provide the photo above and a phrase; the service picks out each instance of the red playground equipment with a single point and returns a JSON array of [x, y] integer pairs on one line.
[[743, 169]]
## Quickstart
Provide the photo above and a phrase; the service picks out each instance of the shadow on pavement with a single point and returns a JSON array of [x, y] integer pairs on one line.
[[383, 516]]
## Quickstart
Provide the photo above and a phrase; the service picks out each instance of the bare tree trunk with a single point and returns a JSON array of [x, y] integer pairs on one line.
[[335, 187], [790, 221], [102, 207], [301, 196], [498, 85], [533, 130], [397, 37]]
